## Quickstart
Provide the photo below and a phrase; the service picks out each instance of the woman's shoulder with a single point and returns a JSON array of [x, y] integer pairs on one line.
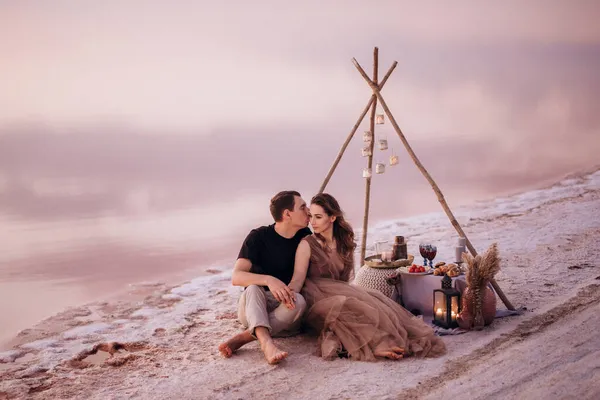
[[312, 240], [306, 245], [316, 243]]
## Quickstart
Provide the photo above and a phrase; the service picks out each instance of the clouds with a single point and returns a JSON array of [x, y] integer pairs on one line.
[[195, 66], [187, 102]]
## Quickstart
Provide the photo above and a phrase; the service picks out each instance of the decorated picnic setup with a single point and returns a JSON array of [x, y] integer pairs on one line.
[[458, 293]]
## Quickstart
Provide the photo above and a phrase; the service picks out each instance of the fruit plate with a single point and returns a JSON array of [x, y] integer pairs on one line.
[[404, 270]]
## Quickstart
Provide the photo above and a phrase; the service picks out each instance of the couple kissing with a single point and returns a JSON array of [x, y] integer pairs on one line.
[[296, 279]]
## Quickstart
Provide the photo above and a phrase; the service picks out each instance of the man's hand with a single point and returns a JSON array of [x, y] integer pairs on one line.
[[282, 292]]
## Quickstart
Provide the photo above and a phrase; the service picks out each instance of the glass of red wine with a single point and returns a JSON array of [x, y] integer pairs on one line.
[[428, 252]]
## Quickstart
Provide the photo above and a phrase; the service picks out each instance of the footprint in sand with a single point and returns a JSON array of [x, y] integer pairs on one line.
[[109, 353]]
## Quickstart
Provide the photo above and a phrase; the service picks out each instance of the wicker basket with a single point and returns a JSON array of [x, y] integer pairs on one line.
[[375, 279], [375, 261]]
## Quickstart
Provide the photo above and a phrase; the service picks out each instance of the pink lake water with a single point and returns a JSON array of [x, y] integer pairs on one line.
[[86, 217]]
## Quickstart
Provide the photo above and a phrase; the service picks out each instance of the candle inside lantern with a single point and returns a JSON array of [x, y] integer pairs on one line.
[[439, 313], [454, 309]]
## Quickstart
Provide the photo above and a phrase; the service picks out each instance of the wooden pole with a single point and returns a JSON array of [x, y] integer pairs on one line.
[[354, 129], [370, 161], [434, 186]]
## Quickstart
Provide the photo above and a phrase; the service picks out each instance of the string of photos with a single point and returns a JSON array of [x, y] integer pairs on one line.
[[367, 150]]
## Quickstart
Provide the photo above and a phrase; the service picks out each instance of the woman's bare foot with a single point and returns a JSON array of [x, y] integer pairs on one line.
[[272, 353], [229, 347], [395, 353]]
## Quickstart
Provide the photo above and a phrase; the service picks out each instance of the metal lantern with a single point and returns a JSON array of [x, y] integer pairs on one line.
[[383, 145], [367, 136], [393, 159], [366, 151], [446, 305], [379, 168], [379, 119], [366, 172]]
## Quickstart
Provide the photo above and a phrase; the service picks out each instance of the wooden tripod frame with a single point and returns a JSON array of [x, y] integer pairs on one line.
[[372, 105]]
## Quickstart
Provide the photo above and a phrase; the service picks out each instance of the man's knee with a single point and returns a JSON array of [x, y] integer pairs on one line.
[[300, 304], [254, 289], [252, 304]]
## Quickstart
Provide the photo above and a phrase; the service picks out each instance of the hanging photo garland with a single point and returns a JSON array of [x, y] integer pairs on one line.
[[383, 144]]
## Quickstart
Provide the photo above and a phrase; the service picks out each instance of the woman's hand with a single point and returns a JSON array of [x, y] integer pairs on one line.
[[291, 305], [281, 292]]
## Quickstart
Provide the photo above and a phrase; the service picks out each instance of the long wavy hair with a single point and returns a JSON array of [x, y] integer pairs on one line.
[[342, 230]]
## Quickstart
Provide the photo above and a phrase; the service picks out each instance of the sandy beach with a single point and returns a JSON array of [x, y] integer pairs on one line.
[[548, 241]]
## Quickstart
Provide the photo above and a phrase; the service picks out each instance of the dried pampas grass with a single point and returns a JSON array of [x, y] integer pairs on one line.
[[482, 268]]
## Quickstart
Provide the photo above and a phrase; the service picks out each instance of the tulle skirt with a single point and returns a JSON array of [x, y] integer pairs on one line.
[[360, 322]]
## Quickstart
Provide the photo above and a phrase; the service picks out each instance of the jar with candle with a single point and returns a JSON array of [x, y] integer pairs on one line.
[[393, 159], [458, 252], [460, 249], [366, 172], [379, 168], [379, 119], [367, 136], [366, 151], [399, 250]]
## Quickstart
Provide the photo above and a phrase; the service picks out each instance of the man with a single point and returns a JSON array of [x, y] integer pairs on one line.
[[268, 307]]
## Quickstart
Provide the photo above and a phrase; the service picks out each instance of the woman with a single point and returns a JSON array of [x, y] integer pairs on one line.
[[350, 320]]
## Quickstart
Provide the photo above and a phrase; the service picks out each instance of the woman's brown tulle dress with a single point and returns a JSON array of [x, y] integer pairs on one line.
[[356, 320]]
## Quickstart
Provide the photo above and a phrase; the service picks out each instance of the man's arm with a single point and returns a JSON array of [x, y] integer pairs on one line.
[[243, 277]]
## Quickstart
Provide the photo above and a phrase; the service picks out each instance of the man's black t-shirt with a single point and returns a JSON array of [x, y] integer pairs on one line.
[[271, 253]]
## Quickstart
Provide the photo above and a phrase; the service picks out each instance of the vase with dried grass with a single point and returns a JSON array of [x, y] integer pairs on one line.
[[478, 299]]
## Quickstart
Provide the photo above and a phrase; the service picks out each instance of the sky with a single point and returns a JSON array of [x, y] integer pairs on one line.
[[153, 106]]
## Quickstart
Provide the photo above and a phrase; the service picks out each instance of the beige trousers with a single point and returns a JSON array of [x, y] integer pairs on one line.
[[258, 307]]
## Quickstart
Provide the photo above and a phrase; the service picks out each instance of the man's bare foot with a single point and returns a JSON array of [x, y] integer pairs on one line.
[[272, 353], [229, 347]]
